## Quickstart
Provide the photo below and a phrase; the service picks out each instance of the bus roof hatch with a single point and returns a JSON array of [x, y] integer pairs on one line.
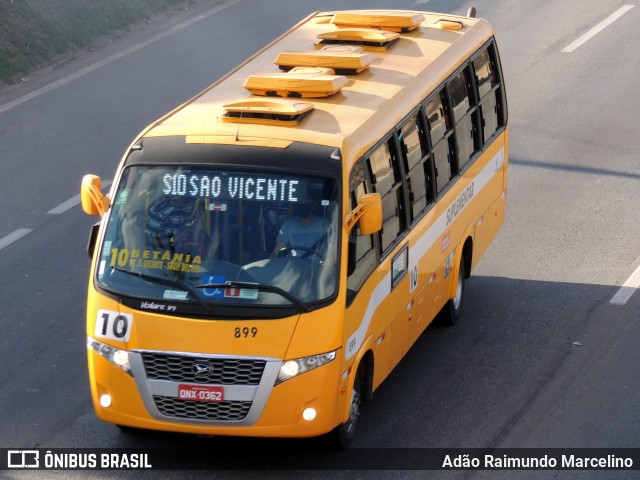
[[263, 111], [367, 38], [305, 82], [390, 21], [343, 59]]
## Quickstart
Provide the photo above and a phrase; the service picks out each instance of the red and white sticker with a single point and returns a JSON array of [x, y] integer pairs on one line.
[[218, 207], [446, 242], [244, 293]]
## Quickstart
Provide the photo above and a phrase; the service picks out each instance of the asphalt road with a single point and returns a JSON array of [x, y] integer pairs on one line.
[[542, 358]]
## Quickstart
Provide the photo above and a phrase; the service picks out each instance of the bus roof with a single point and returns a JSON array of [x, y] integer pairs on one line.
[[367, 104]]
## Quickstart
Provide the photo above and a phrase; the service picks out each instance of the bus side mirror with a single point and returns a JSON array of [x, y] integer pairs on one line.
[[368, 213], [94, 202]]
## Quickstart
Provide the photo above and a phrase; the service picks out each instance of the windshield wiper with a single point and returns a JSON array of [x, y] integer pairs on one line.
[[258, 286], [170, 282]]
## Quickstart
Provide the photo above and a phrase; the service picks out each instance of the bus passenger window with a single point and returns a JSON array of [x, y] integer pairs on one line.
[[441, 138], [462, 100], [415, 150], [488, 88], [385, 177]]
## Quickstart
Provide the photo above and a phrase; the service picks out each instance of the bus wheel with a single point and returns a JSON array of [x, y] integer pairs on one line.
[[452, 311], [344, 433]]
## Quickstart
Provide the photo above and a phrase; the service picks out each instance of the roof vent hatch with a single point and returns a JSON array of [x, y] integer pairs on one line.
[[266, 112], [299, 82], [343, 59], [389, 21], [367, 38]]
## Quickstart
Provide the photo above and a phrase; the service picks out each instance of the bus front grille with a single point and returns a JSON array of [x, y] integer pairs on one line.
[[228, 410], [203, 370]]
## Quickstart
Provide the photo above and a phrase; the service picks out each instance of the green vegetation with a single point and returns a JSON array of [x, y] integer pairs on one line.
[[35, 31]]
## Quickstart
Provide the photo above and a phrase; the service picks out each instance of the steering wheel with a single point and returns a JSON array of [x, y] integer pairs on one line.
[[291, 252]]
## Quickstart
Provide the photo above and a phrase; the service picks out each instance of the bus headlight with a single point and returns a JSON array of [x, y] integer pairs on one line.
[[292, 368], [120, 358]]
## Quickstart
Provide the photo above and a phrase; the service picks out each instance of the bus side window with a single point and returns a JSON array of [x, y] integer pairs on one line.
[[361, 256], [413, 143], [441, 133], [487, 79], [387, 181], [465, 114]]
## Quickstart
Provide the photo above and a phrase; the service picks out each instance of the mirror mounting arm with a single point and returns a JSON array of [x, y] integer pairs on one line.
[[368, 212]]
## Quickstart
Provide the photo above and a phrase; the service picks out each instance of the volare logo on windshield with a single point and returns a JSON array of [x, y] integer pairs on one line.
[[158, 306]]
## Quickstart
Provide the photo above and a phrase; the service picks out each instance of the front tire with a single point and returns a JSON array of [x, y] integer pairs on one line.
[[344, 433]]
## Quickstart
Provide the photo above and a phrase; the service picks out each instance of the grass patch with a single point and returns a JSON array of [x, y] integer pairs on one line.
[[35, 31]]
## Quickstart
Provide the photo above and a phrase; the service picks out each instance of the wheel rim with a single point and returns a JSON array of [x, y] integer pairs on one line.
[[457, 301]]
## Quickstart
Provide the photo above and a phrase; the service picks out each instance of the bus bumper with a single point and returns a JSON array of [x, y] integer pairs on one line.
[[275, 411]]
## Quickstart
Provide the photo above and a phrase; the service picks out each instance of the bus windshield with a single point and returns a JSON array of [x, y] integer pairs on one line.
[[192, 234]]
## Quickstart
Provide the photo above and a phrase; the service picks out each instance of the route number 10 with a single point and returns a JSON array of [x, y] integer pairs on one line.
[[413, 279], [113, 325]]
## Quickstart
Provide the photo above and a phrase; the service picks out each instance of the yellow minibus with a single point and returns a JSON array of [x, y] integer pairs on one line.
[[270, 250]]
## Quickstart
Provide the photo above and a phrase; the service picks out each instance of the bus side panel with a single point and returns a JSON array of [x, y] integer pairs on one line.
[[419, 316], [362, 318], [433, 293], [380, 310], [488, 227], [389, 349], [491, 220]]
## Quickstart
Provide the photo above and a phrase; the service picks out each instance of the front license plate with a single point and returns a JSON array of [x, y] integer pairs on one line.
[[201, 393]]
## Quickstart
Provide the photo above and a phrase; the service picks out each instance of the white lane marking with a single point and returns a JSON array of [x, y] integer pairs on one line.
[[63, 207], [625, 292], [597, 29], [12, 237], [420, 2], [72, 202], [117, 56]]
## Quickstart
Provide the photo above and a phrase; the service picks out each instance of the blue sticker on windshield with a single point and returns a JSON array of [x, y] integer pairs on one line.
[[122, 197], [213, 292]]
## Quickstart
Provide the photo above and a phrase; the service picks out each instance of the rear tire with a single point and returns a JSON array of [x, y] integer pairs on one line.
[[452, 311]]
